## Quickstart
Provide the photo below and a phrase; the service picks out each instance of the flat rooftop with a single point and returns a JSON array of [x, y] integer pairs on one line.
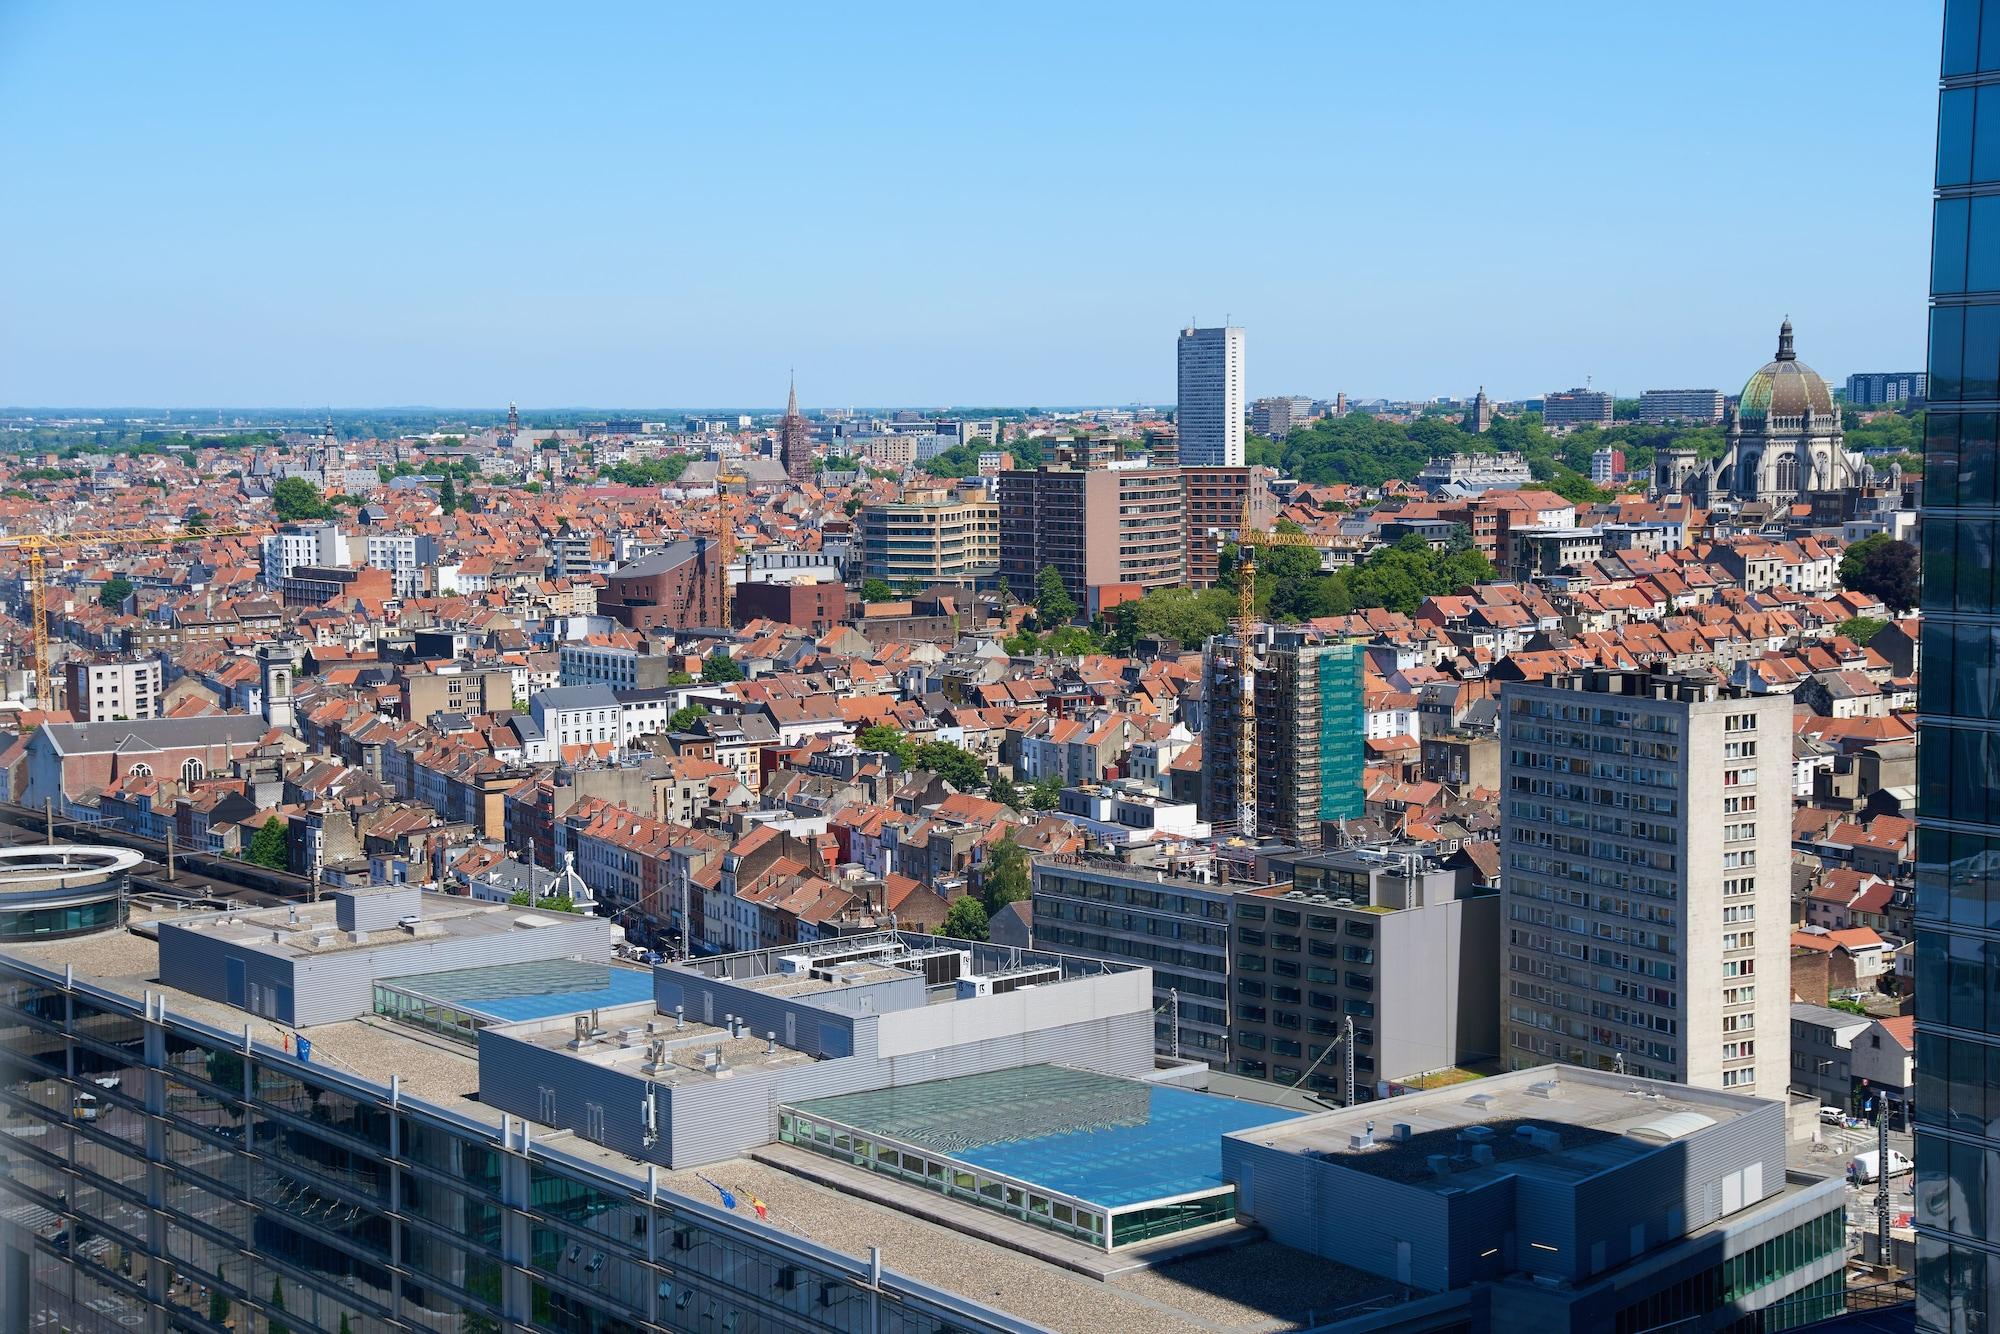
[[1586, 1121], [625, 1039], [512, 993], [1108, 1141], [305, 930], [1260, 1288]]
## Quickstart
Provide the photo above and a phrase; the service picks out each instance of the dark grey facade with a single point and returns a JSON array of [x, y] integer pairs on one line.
[[1416, 967], [1102, 909], [1585, 1202], [1958, 848]]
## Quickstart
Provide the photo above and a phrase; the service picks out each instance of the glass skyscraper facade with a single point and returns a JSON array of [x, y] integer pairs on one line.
[[1958, 885]]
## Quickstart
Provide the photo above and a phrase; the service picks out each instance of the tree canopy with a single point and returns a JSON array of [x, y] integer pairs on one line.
[[966, 919], [718, 668], [1007, 880], [877, 590], [648, 472], [268, 847], [888, 740], [1883, 567], [114, 592], [295, 498], [685, 718], [953, 763], [1861, 629], [1053, 604]]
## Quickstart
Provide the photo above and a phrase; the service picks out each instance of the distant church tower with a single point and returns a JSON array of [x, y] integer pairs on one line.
[[795, 440], [513, 420], [1479, 419], [275, 665]]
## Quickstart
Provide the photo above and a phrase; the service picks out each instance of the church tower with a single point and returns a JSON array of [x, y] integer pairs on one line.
[[795, 440], [275, 666]]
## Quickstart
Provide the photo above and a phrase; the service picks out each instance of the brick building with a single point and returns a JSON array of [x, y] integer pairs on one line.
[[679, 588], [817, 607]]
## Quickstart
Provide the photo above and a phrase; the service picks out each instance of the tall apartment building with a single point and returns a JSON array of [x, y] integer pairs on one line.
[[120, 688], [1958, 753], [932, 536], [1279, 417], [296, 544], [1210, 401], [1876, 389], [406, 556], [1309, 733], [1215, 501], [1103, 529], [1646, 878], [1102, 908], [1566, 409], [1680, 405]]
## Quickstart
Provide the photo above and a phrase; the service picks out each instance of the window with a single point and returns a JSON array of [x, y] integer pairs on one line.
[[192, 772]]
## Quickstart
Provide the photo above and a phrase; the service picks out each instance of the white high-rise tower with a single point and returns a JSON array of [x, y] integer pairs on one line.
[[1210, 416]]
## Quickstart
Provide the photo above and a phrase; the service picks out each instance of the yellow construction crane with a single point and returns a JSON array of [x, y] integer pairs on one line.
[[1248, 538], [36, 548], [723, 481]]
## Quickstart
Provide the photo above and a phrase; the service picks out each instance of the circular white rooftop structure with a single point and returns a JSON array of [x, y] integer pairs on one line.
[[68, 889]]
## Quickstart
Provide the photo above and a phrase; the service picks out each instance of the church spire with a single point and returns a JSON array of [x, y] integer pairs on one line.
[[1785, 352], [792, 400]]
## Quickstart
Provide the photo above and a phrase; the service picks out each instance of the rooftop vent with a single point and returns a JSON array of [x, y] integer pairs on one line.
[[1482, 1154], [1548, 1088], [1439, 1163]]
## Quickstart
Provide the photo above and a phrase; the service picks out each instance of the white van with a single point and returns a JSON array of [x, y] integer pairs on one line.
[[1832, 1116], [1863, 1166]]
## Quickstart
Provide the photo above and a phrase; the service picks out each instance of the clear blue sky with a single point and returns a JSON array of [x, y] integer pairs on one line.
[[668, 204]]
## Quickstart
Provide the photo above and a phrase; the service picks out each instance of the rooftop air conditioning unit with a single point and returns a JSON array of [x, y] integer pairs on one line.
[[791, 965]]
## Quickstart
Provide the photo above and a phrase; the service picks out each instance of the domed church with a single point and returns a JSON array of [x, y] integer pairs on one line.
[[1784, 441]]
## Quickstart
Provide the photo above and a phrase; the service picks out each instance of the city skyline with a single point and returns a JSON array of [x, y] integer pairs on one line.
[[400, 222]]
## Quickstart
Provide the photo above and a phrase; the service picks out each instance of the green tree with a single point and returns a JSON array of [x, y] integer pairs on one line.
[[877, 590], [448, 495], [966, 920], [683, 719], [197, 521], [294, 498], [114, 592], [888, 740], [1053, 604], [1883, 567], [553, 902], [676, 677], [953, 763], [269, 846], [1045, 793], [911, 587], [273, 1325], [1007, 880], [1861, 629], [718, 668], [1003, 791], [1180, 614]]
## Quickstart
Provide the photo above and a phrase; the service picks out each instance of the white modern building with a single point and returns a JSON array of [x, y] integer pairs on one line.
[[121, 688], [1646, 878], [322, 545], [578, 716], [406, 556], [1210, 414]]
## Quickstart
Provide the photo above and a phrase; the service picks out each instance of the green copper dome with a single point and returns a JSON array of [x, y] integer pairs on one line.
[[1784, 387]]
